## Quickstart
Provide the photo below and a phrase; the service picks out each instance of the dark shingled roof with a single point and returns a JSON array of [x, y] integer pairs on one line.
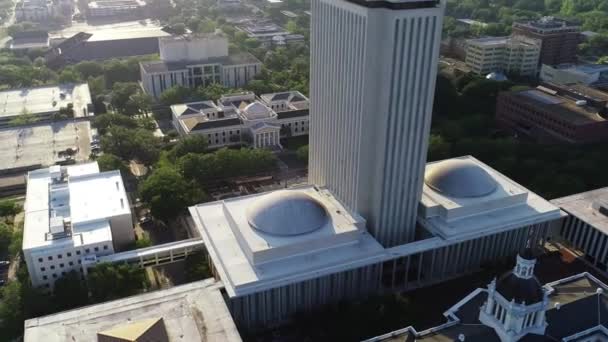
[[216, 124], [292, 114], [521, 290], [280, 96]]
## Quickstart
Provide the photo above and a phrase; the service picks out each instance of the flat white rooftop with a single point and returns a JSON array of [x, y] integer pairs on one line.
[[47, 99], [192, 312], [84, 197], [501, 205], [263, 241]]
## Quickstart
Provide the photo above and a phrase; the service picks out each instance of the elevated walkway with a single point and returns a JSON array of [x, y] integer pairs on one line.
[[157, 255]]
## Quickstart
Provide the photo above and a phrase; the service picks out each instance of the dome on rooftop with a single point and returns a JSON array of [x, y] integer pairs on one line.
[[286, 213], [459, 178], [256, 110]]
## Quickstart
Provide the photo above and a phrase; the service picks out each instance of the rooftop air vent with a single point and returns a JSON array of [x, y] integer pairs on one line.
[[601, 206]]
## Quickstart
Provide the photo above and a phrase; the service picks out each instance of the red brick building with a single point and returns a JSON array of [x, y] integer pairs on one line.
[[559, 37], [552, 113]]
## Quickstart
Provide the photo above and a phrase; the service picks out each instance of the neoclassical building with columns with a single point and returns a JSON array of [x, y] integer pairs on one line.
[[244, 118]]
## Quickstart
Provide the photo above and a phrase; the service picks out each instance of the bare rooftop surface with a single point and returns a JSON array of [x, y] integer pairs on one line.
[[583, 206], [192, 312], [47, 99], [40, 144]]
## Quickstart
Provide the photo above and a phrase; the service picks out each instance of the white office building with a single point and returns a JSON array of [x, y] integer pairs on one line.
[[515, 54], [290, 250], [73, 215], [197, 61], [245, 119], [375, 217], [373, 69]]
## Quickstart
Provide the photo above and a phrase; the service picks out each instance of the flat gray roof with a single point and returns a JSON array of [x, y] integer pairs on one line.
[[46, 99], [191, 312], [40, 144], [582, 206]]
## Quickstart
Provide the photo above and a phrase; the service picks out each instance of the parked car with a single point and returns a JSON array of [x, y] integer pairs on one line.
[[145, 219], [4, 263]]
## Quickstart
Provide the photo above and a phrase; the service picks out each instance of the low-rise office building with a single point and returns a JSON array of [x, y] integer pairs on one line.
[[66, 227], [45, 103], [586, 74], [555, 113], [291, 250], [108, 8], [195, 312], [194, 61], [517, 55], [245, 118]]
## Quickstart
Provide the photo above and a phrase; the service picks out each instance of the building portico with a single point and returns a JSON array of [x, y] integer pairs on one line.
[[266, 135]]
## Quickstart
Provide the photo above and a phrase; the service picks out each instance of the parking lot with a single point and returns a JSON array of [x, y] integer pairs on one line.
[[44, 144]]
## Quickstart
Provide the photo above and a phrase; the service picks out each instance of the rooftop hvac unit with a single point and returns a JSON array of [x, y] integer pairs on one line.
[[601, 206]]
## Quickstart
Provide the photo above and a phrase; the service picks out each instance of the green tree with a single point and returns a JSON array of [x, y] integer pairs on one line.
[[189, 144], [110, 281], [89, 69], [70, 292], [175, 95], [143, 242], [131, 144], [197, 267], [9, 208], [302, 153], [6, 235], [110, 162], [122, 97], [168, 194], [69, 76], [11, 309], [23, 119], [105, 121]]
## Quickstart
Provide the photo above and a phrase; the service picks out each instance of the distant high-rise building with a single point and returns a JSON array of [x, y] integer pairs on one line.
[[559, 37], [373, 70]]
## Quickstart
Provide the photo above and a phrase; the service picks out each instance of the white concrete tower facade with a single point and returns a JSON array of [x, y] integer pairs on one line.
[[374, 65]]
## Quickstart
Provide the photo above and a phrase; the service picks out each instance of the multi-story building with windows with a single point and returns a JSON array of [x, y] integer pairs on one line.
[[375, 217], [195, 61], [66, 226], [555, 113], [517, 55], [244, 118], [559, 38]]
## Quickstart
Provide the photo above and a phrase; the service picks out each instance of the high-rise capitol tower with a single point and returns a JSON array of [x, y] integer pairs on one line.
[[373, 71]]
